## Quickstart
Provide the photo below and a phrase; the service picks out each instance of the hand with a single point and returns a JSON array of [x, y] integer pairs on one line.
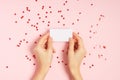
[[43, 52], [76, 53]]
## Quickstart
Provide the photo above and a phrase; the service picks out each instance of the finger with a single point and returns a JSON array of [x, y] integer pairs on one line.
[[71, 46], [79, 40], [43, 40], [50, 44]]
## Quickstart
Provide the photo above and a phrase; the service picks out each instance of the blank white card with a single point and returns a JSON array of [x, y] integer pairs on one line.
[[60, 34]]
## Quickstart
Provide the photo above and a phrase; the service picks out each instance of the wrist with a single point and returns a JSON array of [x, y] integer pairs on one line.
[[40, 73], [42, 68], [76, 75]]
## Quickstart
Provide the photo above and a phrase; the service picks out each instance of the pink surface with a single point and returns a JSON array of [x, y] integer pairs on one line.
[[97, 21]]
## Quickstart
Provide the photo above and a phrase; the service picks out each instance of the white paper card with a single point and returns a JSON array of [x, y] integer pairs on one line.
[[60, 34]]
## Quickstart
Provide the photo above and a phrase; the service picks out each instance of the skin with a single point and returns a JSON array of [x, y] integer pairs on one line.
[[76, 53], [43, 52]]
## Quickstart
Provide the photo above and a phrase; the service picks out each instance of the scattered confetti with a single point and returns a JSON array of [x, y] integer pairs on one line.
[[9, 38], [104, 47], [91, 4], [44, 17]]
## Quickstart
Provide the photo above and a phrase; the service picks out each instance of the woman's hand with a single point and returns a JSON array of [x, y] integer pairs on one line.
[[76, 53], [43, 52]]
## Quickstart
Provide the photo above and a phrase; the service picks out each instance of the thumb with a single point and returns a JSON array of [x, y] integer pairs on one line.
[[71, 46], [50, 45]]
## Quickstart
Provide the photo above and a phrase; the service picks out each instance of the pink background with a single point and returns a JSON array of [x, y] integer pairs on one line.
[[101, 63]]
